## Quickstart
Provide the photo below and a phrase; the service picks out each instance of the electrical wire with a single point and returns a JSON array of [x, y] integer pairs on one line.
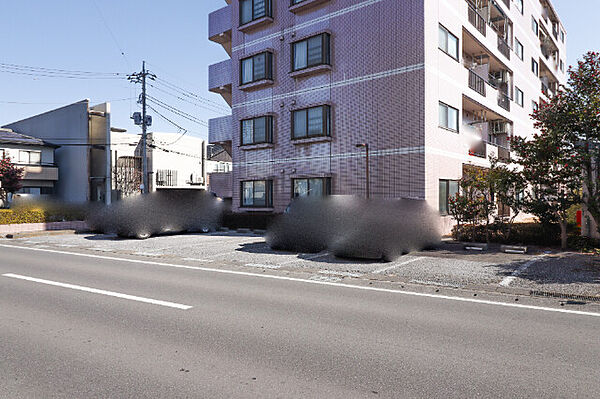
[[176, 111], [191, 94], [209, 107]]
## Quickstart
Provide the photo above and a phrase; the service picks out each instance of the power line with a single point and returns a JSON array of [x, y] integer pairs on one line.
[[55, 70], [177, 111], [209, 107], [191, 94]]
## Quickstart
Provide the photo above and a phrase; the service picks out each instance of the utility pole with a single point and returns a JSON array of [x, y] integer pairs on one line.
[[143, 119]]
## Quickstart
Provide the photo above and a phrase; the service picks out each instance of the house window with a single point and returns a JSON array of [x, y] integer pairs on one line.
[[257, 130], [255, 68], [519, 4], [562, 36], [312, 187], [534, 67], [448, 117], [534, 26], [448, 43], [251, 10], [257, 193], [166, 177], [2, 153], [519, 96], [311, 122], [534, 106], [310, 52], [519, 49], [562, 66], [448, 189], [30, 157]]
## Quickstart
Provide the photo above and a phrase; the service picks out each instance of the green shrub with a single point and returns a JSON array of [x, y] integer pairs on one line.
[[521, 233], [40, 212]]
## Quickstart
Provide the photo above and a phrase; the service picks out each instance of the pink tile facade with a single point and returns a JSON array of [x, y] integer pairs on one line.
[[374, 88]]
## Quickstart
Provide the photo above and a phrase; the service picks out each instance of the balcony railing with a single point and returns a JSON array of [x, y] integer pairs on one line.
[[545, 90], [476, 83], [477, 20], [504, 101], [503, 47]]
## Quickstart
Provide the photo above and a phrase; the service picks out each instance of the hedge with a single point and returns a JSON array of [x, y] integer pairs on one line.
[[18, 216], [521, 233]]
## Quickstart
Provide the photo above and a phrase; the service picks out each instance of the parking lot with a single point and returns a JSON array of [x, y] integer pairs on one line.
[[449, 266]]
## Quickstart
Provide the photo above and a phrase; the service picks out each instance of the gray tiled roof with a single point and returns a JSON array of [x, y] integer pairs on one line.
[[9, 137]]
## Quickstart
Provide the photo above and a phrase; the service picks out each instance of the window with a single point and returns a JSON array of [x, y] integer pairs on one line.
[[251, 10], [30, 157], [534, 67], [448, 189], [534, 26], [312, 187], [519, 49], [562, 36], [311, 122], [257, 130], [534, 106], [448, 43], [166, 177], [2, 153], [310, 52], [519, 4], [257, 193], [519, 96], [448, 117], [255, 68], [562, 66]]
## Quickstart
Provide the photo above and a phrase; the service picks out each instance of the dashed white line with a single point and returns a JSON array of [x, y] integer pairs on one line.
[[395, 265], [262, 265], [197, 260], [101, 292], [306, 281], [509, 279]]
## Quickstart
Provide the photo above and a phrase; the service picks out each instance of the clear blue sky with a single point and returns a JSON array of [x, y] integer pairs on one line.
[[170, 35]]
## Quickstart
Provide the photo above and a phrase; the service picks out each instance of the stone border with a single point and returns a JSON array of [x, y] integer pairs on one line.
[[48, 226]]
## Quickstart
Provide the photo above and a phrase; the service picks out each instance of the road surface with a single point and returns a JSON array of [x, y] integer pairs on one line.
[[97, 326]]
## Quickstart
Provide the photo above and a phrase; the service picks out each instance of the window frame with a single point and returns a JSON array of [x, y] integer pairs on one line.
[[268, 193], [268, 11], [326, 181], [268, 67], [29, 152], [519, 45], [536, 70], [268, 130], [447, 188], [522, 102], [534, 105], [520, 6], [562, 36], [325, 55], [448, 34], [447, 106], [535, 26], [325, 123]]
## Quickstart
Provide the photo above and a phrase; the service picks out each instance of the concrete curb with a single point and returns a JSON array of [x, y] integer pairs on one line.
[[37, 227]]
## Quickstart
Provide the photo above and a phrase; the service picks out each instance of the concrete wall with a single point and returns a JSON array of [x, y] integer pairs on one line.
[[66, 125]]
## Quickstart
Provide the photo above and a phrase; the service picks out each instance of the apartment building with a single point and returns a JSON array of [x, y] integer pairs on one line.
[[429, 87]]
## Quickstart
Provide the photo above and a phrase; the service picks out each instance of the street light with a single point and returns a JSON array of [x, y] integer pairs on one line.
[[366, 147]]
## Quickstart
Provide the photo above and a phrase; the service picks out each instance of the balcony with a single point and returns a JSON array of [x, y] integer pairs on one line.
[[220, 79], [506, 3], [219, 27], [477, 83], [40, 172], [504, 101], [220, 131], [503, 47], [477, 20], [486, 132]]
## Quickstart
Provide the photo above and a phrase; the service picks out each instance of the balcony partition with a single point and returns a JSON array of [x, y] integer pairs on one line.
[[477, 83], [477, 20], [504, 101], [503, 47]]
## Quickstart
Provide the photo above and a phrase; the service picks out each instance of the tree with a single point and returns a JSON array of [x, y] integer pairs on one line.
[[10, 178], [552, 174], [574, 116], [508, 186]]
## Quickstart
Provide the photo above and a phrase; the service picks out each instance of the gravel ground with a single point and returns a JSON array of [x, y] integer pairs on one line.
[[449, 266]]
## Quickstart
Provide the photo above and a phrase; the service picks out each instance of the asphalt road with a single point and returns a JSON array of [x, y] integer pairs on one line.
[[253, 336]]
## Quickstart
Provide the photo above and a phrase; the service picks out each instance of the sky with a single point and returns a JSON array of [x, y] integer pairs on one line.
[[114, 36]]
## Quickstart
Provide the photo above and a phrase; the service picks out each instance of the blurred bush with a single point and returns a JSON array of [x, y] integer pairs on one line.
[[521, 234]]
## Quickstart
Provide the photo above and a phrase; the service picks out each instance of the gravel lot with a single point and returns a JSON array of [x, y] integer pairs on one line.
[[449, 266]]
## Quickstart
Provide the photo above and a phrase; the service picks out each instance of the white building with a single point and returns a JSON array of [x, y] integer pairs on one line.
[[174, 162]]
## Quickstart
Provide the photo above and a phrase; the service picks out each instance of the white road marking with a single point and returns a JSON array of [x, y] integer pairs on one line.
[[97, 291], [509, 279], [262, 266], [100, 249], [301, 257], [318, 277], [141, 253], [300, 280], [343, 274], [197, 260], [395, 265]]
